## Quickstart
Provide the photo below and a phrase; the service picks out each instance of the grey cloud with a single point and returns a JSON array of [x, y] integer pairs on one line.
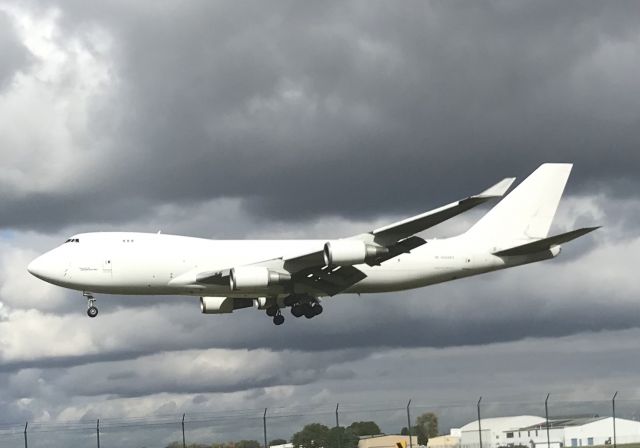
[[202, 371], [14, 56], [345, 109], [234, 120]]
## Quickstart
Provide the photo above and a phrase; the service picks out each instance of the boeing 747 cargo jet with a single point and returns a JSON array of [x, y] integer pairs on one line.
[[272, 275]]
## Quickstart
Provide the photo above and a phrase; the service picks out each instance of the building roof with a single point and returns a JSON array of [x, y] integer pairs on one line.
[[443, 441], [500, 424], [565, 422]]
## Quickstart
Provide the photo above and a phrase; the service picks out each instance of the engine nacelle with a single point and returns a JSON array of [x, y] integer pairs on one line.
[[350, 252], [216, 305], [255, 277], [262, 303], [224, 305]]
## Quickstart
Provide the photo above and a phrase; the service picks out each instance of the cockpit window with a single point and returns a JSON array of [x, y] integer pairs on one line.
[[73, 240]]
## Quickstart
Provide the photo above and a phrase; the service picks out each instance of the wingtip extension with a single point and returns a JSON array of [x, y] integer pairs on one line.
[[497, 190]]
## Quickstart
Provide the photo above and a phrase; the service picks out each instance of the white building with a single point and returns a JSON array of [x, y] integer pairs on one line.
[[531, 432], [495, 430]]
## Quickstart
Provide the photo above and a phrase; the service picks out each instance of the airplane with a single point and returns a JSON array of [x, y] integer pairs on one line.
[[272, 275]]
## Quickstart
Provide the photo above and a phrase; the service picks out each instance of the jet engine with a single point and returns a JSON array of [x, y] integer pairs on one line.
[[251, 277], [350, 252], [223, 305]]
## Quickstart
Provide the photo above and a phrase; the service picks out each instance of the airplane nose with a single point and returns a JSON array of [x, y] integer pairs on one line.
[[35, 267], [41, 267]]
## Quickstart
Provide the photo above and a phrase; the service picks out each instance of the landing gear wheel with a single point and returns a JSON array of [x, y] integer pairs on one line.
[[278, 319], [297, 310], [309, 312], [92, 311], [272, 311], [317, 309]]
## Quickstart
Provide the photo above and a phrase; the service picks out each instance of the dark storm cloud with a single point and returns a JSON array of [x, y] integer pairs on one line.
[[343, 109]]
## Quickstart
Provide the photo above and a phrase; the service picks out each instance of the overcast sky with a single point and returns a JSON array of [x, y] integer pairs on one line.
[[289, 119]]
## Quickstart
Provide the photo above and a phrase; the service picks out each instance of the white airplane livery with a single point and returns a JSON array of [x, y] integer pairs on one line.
[[272, 275]]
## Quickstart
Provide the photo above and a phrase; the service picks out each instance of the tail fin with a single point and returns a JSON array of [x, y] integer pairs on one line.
[[527, 212]]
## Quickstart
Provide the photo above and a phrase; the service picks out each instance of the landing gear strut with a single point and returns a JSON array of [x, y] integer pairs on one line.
[[301, 305], [274, 311], [92, 309], [278, 319]]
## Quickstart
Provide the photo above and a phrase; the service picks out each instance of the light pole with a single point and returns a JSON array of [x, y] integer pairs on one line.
[[409, 424], [613, 403], [479, 423], [546, 413]]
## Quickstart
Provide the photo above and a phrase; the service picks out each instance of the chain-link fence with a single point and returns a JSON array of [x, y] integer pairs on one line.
[[477, 423]]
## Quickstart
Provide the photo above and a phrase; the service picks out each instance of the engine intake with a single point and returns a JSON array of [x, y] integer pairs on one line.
[[251, 277], [350, 252]]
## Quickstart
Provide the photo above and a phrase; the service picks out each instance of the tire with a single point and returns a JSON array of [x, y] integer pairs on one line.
[[278, 320], [309, 312], [272, 311], [92, 312], [317, 309], [297, 311]]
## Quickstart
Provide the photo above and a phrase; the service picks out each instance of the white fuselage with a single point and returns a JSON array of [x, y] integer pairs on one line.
[[157, 264]]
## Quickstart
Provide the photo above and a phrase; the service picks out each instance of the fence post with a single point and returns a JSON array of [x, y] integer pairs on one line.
[[338, 427], [546, 414], [613, 403], [264, 425], [479, 423], [26, 444], [409, 424], [98, 432], [184, 442]]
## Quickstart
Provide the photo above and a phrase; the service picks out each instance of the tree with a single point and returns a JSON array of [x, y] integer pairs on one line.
[[246, 444], [192, 445], [365, 428], [342, 438], [277, 442], [313, 435], [426, 427]]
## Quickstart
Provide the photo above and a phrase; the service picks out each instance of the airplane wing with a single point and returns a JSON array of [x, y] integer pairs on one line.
[[310, 269], [410, 226]]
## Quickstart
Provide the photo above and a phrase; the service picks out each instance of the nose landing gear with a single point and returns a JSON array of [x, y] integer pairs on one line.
[[92, 309]]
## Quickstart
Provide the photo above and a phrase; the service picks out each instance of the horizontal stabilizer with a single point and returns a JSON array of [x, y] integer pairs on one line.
[[545, 243]]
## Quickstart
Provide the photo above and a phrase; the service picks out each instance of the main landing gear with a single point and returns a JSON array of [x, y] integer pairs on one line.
[[308, 310], [274, 311], [306, 306], [92, 309]]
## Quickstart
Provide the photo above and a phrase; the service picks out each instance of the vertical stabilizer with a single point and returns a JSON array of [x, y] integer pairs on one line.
[[527, 212]]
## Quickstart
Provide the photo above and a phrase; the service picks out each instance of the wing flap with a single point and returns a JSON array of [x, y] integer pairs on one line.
[[329, 281]]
